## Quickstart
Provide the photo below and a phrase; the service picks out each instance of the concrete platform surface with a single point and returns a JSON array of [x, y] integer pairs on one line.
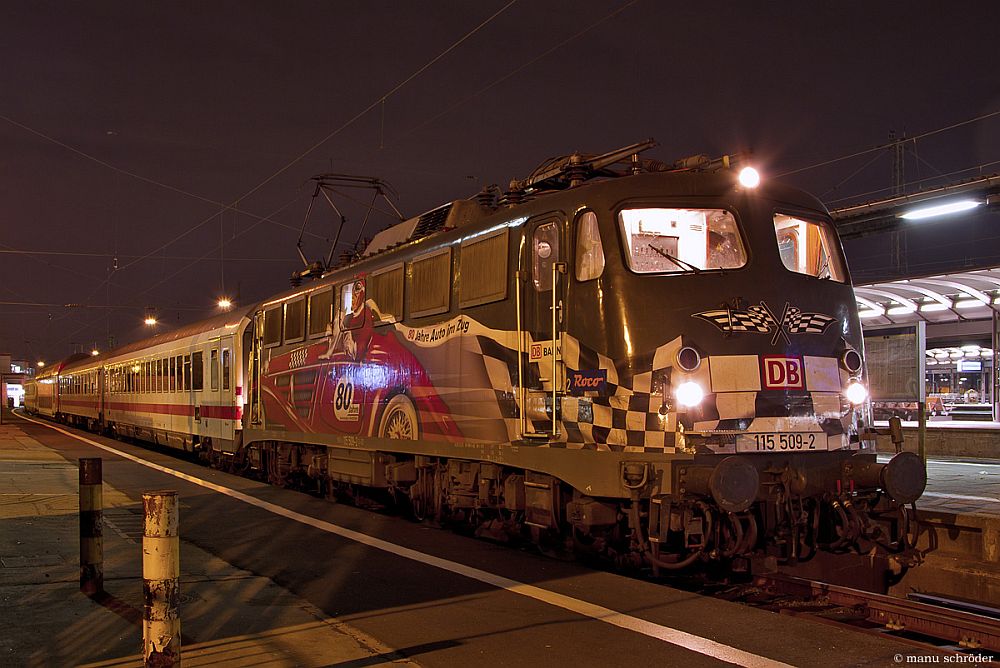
[[230, 617], [961, 486]]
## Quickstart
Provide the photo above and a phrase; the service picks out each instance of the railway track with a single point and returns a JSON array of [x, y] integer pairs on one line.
[[922, 620]]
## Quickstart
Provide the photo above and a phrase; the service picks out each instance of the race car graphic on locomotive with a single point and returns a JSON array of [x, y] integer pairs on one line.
[[651, 363]]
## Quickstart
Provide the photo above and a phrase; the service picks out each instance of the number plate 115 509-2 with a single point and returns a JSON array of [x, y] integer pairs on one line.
[[784, 442]]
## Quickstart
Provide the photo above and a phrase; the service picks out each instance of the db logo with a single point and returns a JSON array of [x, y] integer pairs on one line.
[[783, 372], [536, 352]]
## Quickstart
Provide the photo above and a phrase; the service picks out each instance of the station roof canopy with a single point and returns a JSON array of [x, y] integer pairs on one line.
[[955, 297], [888, 215]]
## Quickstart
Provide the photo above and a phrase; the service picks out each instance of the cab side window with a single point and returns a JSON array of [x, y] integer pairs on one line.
[[589, 249]]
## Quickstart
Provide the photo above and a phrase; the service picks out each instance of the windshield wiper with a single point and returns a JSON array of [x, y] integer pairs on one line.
[[679, 262], [825, 267]]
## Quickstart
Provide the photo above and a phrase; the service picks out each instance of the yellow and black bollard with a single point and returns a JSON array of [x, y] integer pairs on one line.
[[91, 527], [161, 623]]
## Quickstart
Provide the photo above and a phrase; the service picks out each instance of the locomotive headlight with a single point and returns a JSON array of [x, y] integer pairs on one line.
[[749, 177], [856, 393], [689, 394]]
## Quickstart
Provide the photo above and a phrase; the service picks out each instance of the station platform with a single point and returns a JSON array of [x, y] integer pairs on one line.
[[945, 438], [47, 621], [306, 598]]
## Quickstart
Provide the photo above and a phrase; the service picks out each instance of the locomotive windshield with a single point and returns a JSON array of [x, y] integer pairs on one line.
[[808, 247], [681, 240]]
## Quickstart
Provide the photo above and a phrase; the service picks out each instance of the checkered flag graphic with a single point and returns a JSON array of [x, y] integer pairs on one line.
[[797, 322], [753, 319]]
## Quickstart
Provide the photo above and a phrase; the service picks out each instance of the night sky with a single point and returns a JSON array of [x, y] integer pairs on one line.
[[127, 127]]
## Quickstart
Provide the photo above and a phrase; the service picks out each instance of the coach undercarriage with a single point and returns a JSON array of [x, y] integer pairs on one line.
[[789, 519]]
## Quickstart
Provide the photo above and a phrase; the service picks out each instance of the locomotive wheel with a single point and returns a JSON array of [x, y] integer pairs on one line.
[[399, 420]]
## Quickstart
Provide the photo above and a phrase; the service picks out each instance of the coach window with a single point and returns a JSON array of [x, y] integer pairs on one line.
[[187, 372], [198, 371], [213, 367], [225, 368], [295, 321], [272, 327], [589, 249], [320, 312], [429, 292], [484, 270], [544, 253], [809, 247], [157, 377], [172, 373]]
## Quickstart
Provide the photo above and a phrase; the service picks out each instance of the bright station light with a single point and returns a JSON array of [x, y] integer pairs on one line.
[[749, 177], [95, 352], [150, 320], [224, 303], [689, 394], [40, 364], [940, 209]]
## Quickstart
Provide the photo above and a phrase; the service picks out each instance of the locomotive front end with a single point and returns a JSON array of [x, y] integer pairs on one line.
[[740, 307]]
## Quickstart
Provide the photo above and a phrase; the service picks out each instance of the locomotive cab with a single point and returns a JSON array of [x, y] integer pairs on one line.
[[711, 325]]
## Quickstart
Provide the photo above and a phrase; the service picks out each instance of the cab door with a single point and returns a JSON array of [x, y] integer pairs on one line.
[[542, 292]]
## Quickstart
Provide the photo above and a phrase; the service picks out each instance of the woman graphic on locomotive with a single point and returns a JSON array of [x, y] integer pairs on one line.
[[346, 334]]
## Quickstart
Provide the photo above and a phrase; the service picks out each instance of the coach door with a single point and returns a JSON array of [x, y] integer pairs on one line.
[[219, 393], [541, 292], [254, 371]]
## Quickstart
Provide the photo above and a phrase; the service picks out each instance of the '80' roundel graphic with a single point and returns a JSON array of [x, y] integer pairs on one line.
[[781, 372]]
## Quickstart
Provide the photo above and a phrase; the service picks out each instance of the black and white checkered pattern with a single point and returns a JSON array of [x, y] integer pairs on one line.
[[628, 414], [625, 416], [752, 319], [797, 322]]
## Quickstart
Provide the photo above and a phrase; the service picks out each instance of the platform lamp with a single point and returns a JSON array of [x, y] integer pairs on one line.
[[940, 208], [150, 319]]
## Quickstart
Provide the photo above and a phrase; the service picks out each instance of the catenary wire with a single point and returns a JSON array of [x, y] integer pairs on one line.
[[882, 147]]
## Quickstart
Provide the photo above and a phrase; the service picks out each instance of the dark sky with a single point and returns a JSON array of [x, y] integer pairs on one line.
[[192, 104]]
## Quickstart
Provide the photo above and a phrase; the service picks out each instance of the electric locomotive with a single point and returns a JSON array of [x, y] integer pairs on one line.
[[654, 364], [657, 364]]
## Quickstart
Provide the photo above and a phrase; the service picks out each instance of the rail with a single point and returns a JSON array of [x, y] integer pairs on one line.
[[959, 627]]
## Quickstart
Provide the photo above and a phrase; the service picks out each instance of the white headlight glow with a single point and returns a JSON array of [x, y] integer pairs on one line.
[[749, 177], [689, 394], [856, 393]]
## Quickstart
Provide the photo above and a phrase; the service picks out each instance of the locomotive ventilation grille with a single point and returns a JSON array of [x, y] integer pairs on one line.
[[431, 222]]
